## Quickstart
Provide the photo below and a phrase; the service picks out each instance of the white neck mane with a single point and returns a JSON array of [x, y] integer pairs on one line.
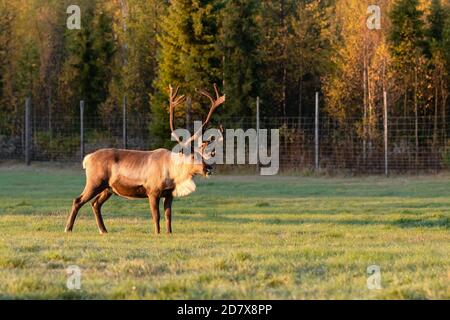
[[184, 188], [181, 174]]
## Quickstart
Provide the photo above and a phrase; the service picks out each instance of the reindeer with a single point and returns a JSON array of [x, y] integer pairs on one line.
[[145, 174]]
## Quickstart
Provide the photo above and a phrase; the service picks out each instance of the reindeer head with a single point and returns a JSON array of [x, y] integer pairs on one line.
[[198, 156]]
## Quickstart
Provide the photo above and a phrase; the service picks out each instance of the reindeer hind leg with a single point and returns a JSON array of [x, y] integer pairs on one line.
[[88, 194], [97, 206]]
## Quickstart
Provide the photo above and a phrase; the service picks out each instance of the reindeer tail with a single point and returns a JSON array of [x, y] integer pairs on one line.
[[85, 160]]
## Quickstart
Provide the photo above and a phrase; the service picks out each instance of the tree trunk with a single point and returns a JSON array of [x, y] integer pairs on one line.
[[405, 99], [49, 109], [365, 108], [284, 90], [284, 53], [444, 94], [300, 104], [416, 116], [436, 112], [370, 111]]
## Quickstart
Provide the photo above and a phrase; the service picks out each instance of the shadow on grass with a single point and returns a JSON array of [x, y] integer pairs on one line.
[[231, 218], [443, 223], [57, 295]]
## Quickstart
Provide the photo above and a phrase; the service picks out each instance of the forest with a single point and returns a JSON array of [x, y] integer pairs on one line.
[[282, 51]]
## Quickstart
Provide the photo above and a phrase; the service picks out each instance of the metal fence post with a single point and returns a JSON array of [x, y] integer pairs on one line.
[[124, 126], [28, 131], [317, 133], [386, 159], [257, 133], [82, 129]]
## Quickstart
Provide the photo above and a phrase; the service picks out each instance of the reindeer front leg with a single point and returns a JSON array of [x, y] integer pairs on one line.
[[168, 212], [154, 206]]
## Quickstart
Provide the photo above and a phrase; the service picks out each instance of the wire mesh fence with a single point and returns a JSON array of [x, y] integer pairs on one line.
[[345, 146], [65, 138], [413, 144]]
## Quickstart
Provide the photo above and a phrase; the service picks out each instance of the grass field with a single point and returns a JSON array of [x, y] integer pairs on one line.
[[236, 237]]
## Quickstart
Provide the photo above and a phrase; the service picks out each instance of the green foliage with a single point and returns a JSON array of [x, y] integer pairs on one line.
[[55, 148], [407, 31], [273, 21], [310, 51], [5, 60], [239, 43], [282, 51], [5, 29], [88, 55], [412, 54], [188, 56], [436, 20], [446, 39], [135, 63], [20, 62]]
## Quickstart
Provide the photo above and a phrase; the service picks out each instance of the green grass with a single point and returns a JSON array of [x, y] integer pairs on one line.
[[236, 237]]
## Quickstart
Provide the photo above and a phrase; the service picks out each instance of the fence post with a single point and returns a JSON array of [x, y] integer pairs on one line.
[[124, 126], [82, 129], [28, 131], [386, 159], [317, 134], [257, 133]]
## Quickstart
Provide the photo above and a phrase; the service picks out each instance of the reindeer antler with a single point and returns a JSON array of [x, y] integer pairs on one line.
[[173, 103], [215, 103]]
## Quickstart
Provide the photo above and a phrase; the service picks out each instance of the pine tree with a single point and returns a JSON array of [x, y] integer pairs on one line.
[[22, 74], [189, 57], [239, 44], [309, 56], [436, 20], [410, 51], [89, 55], [136, 25], [5, 39], [446, 54], [273, 18], [435, 34], [50, 25], [407, 31], [446, 38], [5, 51]]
